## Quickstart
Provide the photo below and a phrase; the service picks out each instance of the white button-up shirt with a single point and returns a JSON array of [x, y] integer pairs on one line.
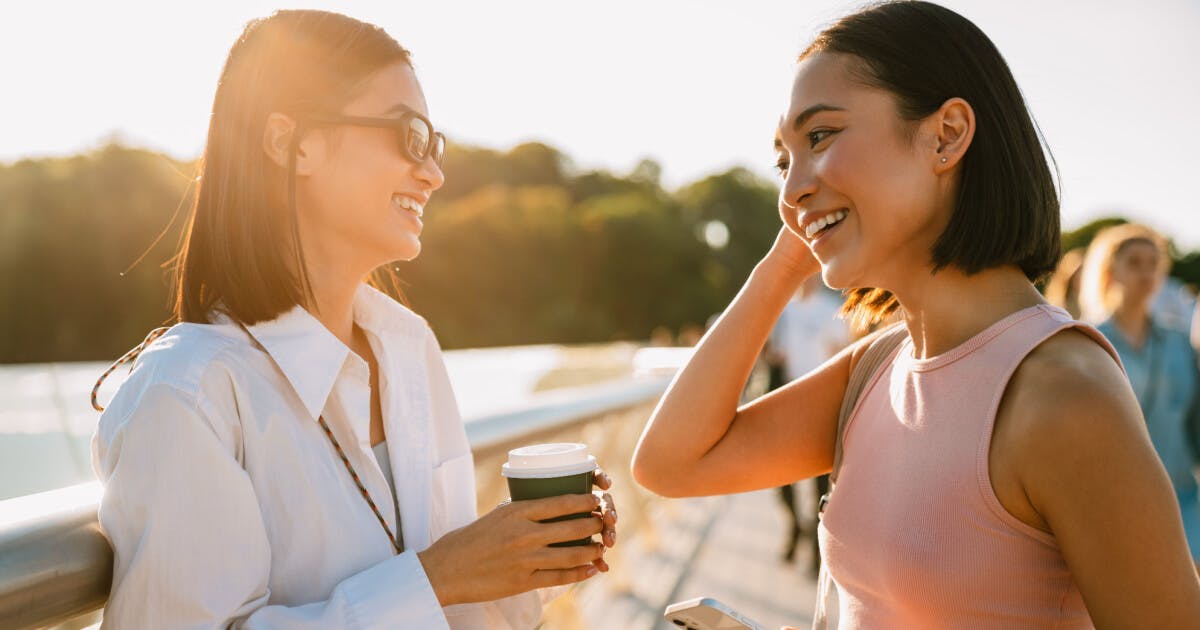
[[227, 506]]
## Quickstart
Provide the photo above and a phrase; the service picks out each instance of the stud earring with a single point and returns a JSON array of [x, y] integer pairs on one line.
[[943, 160]]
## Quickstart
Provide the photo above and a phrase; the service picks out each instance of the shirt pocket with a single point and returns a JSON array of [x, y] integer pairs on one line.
[[452, 496]]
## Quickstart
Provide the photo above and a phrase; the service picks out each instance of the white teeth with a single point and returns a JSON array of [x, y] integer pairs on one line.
[[408, 203], [826, 221]]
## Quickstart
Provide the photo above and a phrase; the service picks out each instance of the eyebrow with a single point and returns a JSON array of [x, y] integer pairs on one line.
[[399, 108], [813, 111]]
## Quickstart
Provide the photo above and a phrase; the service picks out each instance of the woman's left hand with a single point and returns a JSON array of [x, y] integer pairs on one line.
[[608, 514]]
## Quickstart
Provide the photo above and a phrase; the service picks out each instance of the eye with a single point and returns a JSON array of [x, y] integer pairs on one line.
[[781, 166], [817, 135]]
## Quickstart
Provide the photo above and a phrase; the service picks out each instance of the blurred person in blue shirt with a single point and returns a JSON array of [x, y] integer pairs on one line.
[[1125, 268]]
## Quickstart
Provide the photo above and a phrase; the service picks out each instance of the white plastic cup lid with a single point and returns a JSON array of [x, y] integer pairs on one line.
[[543, 461]]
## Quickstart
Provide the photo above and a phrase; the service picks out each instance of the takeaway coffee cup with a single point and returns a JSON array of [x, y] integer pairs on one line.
[[548, 470]]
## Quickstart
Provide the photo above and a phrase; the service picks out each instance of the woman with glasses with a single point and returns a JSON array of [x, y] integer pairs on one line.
[[1123, 271], [995, 472], [290, 453]]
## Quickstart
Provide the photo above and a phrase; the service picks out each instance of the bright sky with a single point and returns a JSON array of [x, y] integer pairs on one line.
[[697, 86]]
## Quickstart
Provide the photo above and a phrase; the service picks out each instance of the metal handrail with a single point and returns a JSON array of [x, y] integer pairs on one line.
[[56, 565]]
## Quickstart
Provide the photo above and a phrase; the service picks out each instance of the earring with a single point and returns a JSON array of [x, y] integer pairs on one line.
[[943, 160]]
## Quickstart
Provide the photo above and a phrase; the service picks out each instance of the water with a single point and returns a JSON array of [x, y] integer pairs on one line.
[[47, 421]]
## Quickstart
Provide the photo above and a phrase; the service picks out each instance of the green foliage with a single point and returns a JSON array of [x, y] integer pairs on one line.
[[71, 226], [1083, 236], [1187, 269], [519, 248]]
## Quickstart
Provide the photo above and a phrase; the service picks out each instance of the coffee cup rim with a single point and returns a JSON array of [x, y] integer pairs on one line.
[[565, 470]]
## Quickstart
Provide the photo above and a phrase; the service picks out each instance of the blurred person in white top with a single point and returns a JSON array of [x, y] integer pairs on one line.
[[226, 503], [808, 332]]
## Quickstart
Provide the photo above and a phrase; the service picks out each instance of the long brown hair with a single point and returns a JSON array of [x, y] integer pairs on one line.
[[241, 242]]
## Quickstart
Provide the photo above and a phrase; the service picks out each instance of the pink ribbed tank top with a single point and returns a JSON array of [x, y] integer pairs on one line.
[[914, 535]]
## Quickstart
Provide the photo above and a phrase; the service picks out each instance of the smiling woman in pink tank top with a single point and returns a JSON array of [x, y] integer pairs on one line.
[[996, 470]]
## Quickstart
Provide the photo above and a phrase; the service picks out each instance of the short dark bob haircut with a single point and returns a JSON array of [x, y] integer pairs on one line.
[[1007, 207]]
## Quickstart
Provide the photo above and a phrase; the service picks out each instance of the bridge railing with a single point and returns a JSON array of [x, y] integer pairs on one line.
[[56, 566]]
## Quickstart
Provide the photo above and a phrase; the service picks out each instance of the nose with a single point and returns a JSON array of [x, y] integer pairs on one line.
[[429, 174], [798, 186]]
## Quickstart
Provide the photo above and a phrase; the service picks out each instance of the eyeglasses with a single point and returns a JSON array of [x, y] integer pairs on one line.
[[418, 141]]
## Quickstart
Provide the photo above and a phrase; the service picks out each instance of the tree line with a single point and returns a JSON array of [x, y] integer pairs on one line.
[[519, 247]]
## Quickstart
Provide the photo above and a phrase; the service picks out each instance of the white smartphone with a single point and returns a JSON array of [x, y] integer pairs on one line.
[[706, 613]]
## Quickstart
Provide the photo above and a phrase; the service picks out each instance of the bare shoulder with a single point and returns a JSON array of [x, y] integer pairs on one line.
[[1068, 401], [1070, 381], [1076, 461]]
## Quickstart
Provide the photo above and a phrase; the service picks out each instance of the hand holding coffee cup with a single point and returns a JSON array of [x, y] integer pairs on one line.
[[507, 551], [511, 549], [548, 470]]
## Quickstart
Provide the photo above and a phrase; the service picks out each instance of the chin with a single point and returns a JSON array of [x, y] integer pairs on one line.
[[841, 274], [409, 253], [404, 247], [835, 281]]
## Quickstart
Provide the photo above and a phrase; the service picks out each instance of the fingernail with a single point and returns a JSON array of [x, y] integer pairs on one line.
[[592, 571], [613, 535], [614, 513]]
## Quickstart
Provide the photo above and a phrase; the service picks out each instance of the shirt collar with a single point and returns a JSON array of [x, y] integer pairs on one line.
[[311, 357], [1154, 332]]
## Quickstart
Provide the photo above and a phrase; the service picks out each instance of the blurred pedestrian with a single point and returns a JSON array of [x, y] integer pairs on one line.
[[809, 331], [1124, 270], [1062, 289]]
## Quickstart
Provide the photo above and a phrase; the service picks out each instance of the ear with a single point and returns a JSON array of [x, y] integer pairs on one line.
[[278, 136], [955, 128]]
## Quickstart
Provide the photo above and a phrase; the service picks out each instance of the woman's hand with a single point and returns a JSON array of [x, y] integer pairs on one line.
[[506, 552], [608, 515], [793, 253]]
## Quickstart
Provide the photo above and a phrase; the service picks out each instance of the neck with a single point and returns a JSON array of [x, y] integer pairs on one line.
[[946, 309], [334, 275], [333, 292], [1132, 319]]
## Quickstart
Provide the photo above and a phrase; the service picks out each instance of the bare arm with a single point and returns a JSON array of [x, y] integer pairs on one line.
[[1090, 471], [698, 441]]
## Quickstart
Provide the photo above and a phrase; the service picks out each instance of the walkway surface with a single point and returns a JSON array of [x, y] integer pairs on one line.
[[728, 548]]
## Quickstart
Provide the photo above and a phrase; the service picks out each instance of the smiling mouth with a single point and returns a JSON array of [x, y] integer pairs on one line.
[[823, 224], [408, 204]]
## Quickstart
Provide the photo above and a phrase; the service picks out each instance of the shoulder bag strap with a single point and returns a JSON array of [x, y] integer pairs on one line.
[[872, 359]]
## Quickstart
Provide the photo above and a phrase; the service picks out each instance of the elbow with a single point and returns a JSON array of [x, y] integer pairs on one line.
[[643, 471], [650, 473], [641, 468]]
